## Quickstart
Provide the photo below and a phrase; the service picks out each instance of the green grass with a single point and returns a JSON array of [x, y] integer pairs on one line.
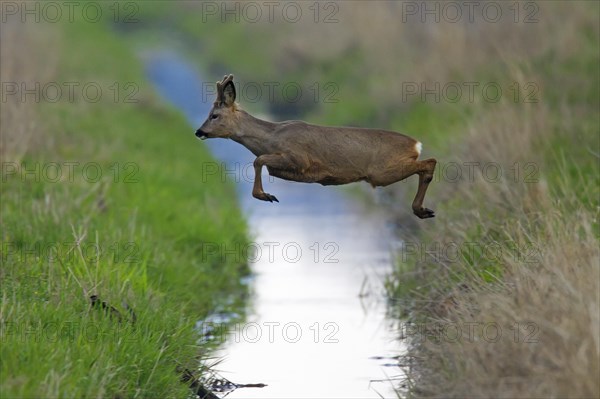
[[151, 213]]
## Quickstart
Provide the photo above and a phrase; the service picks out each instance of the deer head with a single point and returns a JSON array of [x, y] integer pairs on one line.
[[222, 121]]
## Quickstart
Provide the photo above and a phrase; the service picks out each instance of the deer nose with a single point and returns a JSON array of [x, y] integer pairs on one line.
[[200, 133]]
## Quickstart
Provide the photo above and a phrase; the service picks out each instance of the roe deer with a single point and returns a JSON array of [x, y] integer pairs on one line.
[[298, 151]]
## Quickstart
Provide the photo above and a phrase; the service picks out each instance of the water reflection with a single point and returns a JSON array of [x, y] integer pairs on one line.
[[316, 327]]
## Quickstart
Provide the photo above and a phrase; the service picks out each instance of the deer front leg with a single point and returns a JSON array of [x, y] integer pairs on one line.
[[425, 177], [275, 161]]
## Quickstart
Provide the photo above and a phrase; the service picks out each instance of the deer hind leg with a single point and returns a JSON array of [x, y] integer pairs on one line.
[[425, 173], [275, 161]]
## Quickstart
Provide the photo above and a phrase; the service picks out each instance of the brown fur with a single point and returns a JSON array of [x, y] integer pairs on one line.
[[299, 151]]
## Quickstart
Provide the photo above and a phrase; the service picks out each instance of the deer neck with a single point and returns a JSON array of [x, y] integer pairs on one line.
[[255, 134]]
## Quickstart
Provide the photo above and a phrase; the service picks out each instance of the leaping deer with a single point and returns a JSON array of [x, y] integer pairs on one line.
[[301, 152]]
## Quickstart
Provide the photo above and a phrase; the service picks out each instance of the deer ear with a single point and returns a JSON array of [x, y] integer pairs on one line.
[[229, 94]]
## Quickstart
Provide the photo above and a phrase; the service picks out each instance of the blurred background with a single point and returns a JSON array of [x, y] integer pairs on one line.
[[106, 192]]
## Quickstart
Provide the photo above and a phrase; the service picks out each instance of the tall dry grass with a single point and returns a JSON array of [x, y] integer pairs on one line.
[[395, 47], [537, 285], [26, 60], [544, 342]]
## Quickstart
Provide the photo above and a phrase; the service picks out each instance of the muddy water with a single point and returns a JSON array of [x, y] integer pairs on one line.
[[316, 325]]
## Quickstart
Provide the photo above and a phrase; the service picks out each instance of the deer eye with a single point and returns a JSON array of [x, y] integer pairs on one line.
[[214, 116]]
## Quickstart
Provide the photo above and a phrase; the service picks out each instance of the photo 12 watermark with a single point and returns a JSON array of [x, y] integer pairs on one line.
[[70, 92], [69, 11], [527, 172], [488, 171], [272, 252], [454, 12], [238, 172], [270, 332], [287, 92], [470, 92], [70, 171], [524, 332], [252, 12], [447, 172], [452, 251], [70, 251]]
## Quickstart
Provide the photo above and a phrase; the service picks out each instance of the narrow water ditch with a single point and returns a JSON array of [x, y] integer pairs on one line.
[[316, 325]]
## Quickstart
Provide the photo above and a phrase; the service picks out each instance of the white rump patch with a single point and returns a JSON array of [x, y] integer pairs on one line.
[[418, 147]]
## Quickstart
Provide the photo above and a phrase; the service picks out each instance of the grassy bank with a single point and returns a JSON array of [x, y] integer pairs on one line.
[[514, 244], [105, 221], [502, 292]]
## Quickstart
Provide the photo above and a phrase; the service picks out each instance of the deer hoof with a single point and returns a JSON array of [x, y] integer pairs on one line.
[[266, 197], [424, 213]]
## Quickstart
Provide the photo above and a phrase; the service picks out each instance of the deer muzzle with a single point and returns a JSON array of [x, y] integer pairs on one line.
[[201, 135]]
